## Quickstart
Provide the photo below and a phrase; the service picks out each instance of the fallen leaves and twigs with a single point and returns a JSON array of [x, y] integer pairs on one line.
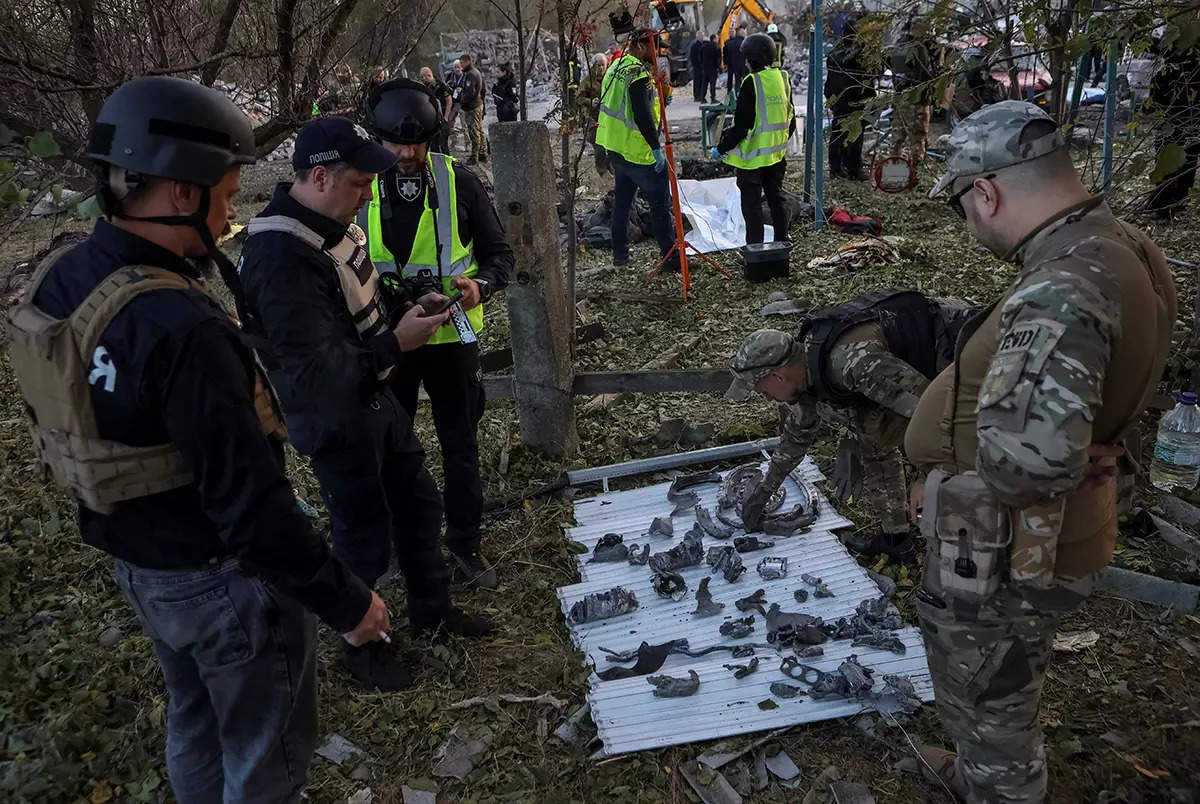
[[857, 254], [668, 360], [491, 701], [1076, 641]]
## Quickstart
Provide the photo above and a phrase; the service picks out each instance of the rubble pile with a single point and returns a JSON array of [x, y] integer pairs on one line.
[[492, 48]]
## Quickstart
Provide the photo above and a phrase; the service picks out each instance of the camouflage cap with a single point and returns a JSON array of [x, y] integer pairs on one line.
[[762, 352], [990, 140]]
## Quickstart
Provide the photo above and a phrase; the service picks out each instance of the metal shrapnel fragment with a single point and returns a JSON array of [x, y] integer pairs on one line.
[[898, 696], [685, 502], [748, 544], [798, 518], [859, 679], [602, 605], [740, 483], [881, 640], [819, 587], [782, 690], [705, 607], [662, 527], [810, 652], [669, 585], [687, 481], [737, 629], [668, 687], [801, 595], [611, 547], [773, 568], [639, 559], [688, 553], [740, 671], [711, 528], [726, 561], [754, 602]]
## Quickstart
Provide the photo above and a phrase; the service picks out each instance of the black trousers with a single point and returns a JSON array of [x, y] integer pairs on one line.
[[454, 383], [709, 87], [845, 157], [753, 184], [697, 83], [1172, 192], [380, 495]]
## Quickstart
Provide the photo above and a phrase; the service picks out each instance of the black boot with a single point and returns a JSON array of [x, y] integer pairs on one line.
[[898, 547], [453, 621], [376, 666], [473, 568]]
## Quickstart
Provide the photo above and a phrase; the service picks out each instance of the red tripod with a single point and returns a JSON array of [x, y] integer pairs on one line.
[[681, 244]]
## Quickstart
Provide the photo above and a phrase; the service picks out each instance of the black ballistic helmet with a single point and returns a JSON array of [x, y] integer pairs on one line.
[[759, 49], [176, 129], [404, 112]]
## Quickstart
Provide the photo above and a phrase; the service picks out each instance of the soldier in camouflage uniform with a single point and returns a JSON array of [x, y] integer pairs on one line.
[[1018, 520], [862, 365]]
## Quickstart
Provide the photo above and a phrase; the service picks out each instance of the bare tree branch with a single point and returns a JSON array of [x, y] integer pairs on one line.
[[220, 41]]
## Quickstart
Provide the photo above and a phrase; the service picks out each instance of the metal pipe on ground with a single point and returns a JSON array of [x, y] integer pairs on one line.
[[1149, 589], [659, 463]]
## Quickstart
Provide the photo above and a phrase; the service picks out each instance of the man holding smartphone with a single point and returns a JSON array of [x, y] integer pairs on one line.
[[313, 294], [431, 223]]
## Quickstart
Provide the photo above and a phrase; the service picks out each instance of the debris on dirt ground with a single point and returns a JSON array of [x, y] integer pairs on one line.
[[753, 602], [710, 785], [364, 796], [49, 205], [820, 792], [780, 764], [738, 629], [669, 585], [859, 253], [786, 307], [740, 671], [726, 561], [574, 730], [662, 527], [705, 607], [610, 547], [772, 568], [602, 605], [670, 687], [669, 432], [1075, 641], [362, 773], [898, 696], [545, 699], [414, 796], [110, 637], [886, 585], [458, 755], [337, 749], [851, 793]]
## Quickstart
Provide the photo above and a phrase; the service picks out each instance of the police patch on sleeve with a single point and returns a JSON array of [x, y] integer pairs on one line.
[[1023, 350]]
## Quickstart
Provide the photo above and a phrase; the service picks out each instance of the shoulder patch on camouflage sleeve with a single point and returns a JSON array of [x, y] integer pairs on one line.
[[1024, 348]]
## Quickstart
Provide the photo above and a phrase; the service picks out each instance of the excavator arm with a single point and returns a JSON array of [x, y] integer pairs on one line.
[[755, 9]]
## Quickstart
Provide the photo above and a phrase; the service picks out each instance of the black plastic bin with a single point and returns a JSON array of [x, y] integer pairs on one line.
[[763, 261]]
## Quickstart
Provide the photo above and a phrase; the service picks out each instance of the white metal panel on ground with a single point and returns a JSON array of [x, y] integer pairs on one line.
[[627, 715]]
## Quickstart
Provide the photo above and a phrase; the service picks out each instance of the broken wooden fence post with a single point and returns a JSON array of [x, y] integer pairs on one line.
[[543, 365]]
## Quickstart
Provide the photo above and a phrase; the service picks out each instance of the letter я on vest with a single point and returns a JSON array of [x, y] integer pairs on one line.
[[617, 131], [167, 432], [1068, 358], [766, 144], [438, 253]]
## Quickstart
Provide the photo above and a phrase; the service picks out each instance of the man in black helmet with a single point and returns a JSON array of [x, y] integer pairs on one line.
[[154, 415], [756, 143], [336, 340], [430, 221]]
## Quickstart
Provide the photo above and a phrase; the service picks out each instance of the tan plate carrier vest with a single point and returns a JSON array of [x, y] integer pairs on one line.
[[51, 358]]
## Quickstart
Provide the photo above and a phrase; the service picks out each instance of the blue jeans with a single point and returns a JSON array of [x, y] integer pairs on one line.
[[239, 661], [656, 189]]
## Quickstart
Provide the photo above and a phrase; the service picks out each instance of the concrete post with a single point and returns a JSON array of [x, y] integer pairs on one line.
[[543, 363]]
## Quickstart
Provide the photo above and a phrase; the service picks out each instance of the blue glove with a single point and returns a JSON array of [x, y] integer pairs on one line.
[[714, 153], [660, 161]]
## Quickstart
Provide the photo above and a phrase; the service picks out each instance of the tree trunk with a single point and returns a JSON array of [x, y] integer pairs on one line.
[[522, 70], [221, 41], [87, 62], [568, 175]]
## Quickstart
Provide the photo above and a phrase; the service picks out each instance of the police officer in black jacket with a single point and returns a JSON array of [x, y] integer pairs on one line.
[[431, 222], [315, 297], [211, 551]]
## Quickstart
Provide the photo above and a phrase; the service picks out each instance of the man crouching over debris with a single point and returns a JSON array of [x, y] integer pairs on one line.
[[863, 365], [336, 337], [1018, 521]]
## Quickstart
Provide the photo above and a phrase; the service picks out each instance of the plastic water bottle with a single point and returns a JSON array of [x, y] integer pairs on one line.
[[1177, 450]]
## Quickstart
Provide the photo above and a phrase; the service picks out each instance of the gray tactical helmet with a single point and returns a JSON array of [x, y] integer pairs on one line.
[[172, 128]]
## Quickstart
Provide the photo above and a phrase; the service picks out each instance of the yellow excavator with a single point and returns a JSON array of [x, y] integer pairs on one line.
[[684, 21]]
